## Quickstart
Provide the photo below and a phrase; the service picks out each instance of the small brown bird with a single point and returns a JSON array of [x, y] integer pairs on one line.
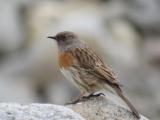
[[82, 66]]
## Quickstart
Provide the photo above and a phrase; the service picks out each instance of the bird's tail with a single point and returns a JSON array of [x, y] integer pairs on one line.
[[125, 99]]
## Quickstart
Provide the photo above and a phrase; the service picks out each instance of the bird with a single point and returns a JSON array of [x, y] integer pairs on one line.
[[85, 69]]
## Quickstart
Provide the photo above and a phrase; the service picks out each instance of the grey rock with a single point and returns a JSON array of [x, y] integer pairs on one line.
[[16, 111], [99, 108], [102, 108]]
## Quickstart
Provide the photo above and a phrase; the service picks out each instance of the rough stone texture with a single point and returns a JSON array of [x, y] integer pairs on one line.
[[36, 112], [102, 108], [99, 108]]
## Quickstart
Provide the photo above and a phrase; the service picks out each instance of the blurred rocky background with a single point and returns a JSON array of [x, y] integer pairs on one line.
[[125, 33]]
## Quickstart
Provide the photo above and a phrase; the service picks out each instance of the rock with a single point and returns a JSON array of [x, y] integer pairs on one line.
[[101, 108], [36, 112]]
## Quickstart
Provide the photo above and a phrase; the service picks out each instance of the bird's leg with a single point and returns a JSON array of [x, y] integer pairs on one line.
[[93, 95], [77, 99], [83, 98]]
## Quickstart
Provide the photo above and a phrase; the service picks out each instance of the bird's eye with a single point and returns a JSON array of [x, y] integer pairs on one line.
[[61, 37], [64, 37]]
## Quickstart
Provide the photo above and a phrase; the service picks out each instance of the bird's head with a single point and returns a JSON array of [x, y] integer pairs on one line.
[[64, 37]]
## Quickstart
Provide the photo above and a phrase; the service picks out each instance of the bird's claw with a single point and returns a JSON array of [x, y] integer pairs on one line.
[[84, 98], [93, 95]]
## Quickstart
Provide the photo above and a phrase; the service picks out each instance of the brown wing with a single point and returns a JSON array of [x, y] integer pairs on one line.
[[94, 65]]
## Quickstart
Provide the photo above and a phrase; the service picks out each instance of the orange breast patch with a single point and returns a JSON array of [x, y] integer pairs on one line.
[[65, 60]]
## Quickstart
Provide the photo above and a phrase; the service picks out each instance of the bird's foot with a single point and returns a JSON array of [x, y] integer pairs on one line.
[[84, 98], [93, 95]]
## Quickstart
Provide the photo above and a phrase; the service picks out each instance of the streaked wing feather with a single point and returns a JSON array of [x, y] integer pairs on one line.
[[94, 65]]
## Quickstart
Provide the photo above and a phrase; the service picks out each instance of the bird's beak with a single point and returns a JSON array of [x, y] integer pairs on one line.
[[51, 37]]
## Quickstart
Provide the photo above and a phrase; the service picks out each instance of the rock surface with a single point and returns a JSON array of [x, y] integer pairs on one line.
[[36, 112], [99, 108], [102, 108]]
